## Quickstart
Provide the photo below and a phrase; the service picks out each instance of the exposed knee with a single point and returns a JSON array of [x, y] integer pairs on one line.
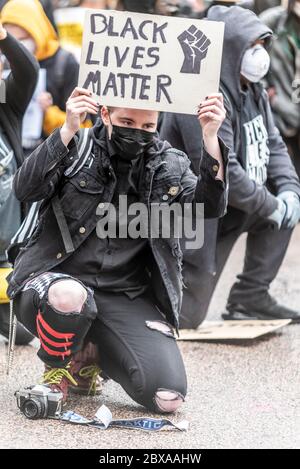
[[67, 296], [168, 401]]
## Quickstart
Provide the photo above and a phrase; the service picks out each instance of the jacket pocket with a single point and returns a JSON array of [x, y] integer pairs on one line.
[[80, 193]]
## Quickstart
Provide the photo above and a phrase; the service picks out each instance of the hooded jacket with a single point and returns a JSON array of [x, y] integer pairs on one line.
[[249, 112], [62, 68], [166, 178], [284, 73]]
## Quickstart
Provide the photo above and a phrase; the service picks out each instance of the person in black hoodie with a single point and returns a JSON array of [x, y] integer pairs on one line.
[[158, 7], [17, 89], [264, 188]]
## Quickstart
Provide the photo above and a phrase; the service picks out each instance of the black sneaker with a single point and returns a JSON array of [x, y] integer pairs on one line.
[[23, 336], [267, 309]]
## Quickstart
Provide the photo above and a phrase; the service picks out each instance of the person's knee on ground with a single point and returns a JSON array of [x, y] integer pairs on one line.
[[165, 400], [161, 400], [168, 401]]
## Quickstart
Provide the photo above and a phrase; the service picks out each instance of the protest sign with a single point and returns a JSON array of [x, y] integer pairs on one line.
[[150, 62], [233, 330]]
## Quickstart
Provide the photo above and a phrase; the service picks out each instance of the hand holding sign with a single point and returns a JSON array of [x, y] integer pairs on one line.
[[195, 45], [211, 114], [78, 106]]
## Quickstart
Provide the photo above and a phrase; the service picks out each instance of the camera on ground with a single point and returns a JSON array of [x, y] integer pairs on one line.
[[40, 402]]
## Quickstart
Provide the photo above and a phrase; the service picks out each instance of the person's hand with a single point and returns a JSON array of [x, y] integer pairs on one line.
[[45, 100], [211, 114], [277, 217], [79, 104], [3, 32], [292, 213]]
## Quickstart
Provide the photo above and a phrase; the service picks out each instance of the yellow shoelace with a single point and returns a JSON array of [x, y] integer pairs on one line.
[[91, 372], [55, 376]]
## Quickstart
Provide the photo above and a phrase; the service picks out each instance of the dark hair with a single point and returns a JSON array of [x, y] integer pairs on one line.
[[110, 109]]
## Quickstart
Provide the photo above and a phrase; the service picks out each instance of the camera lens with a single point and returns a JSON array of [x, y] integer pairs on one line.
[[33, 409]]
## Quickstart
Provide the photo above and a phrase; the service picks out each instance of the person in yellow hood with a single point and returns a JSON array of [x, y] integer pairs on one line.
[[27, 22]]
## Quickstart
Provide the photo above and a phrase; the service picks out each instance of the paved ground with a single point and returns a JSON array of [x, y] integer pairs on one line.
[[240, 396]]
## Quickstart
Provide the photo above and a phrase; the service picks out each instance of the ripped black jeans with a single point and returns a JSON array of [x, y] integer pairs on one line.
[[132, 351]]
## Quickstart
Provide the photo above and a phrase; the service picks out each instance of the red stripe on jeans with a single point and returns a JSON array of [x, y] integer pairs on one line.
[[44, 338], [54, 353], [57, 335]]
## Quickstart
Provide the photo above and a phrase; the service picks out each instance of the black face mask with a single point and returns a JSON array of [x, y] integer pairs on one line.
[[131, 143], [139, 6]]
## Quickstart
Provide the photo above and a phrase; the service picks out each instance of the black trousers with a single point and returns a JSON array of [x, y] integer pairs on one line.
[[132, 351], [265, 251]]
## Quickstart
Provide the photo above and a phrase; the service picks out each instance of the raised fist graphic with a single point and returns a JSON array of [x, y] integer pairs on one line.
[[195, 45]]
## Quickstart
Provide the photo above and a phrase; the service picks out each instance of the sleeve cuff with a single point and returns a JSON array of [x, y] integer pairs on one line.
[[209, 166], [58, 151]]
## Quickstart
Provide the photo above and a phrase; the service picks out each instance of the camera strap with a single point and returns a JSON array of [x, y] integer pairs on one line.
[[103, 420]]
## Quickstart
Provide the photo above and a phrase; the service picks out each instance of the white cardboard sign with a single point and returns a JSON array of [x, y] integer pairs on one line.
[[150, 62], [232, 330]]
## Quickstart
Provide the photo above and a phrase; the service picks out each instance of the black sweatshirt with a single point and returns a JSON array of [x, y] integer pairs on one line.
[[20, 85], [16, 92]]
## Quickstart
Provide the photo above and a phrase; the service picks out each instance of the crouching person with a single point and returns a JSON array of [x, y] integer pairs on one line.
[[110, 303]]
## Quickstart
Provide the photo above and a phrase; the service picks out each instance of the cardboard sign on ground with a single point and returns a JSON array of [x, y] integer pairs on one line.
[[150, 62], [232, 330]]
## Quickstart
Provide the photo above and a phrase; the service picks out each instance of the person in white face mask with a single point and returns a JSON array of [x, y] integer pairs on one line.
[[264, 188], [283, 81], [255, 63]]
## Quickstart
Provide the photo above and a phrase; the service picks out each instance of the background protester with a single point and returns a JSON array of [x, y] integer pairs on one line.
[[27, 22], [69, 20], [16, 92], [48, 6], [197, 5], [264, 188], [283, 80], [257, 6], [159, 7]]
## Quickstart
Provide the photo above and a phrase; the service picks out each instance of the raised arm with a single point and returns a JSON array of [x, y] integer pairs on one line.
[[21, 82]]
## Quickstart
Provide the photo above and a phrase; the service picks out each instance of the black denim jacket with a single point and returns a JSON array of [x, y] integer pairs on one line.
[[42, 176]]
